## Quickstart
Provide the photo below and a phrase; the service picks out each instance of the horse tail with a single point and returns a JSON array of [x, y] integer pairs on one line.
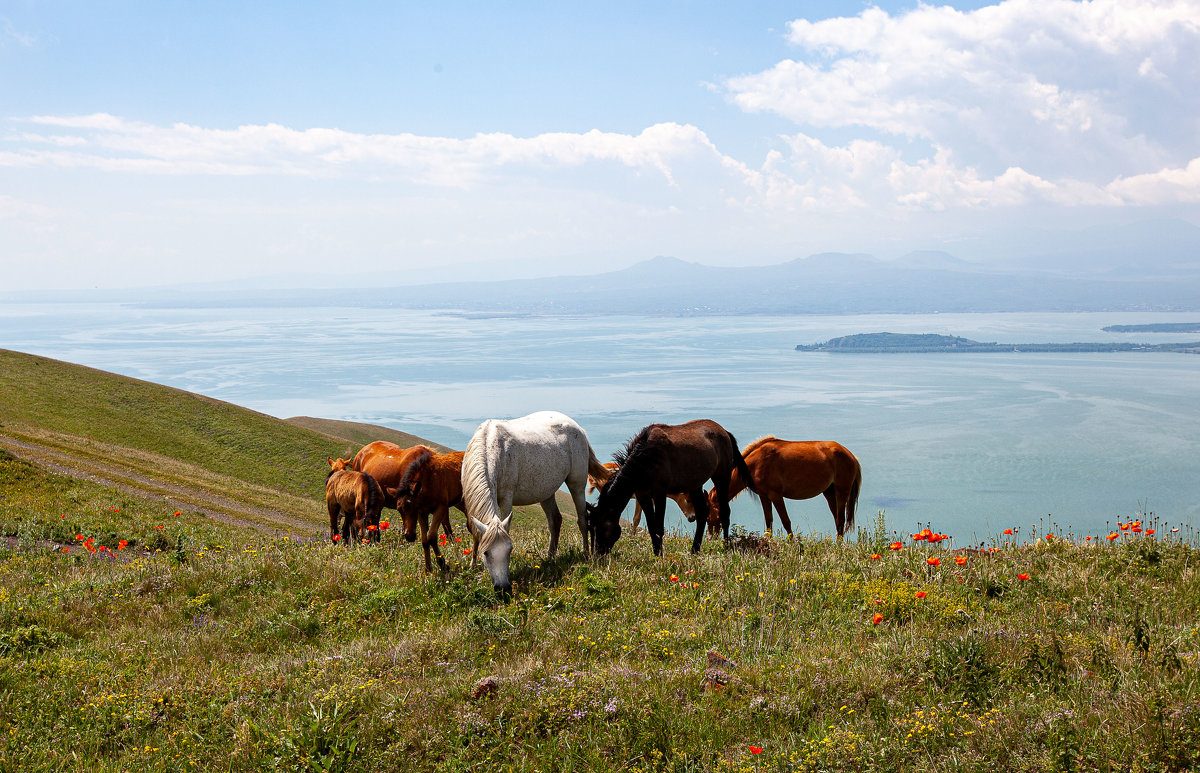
[[741, 468], [852, 503], [598, 473], [374, 495], [479, 495]]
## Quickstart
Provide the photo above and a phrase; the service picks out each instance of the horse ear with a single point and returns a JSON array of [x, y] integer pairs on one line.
[[480, 526], [504, 524], [330, 460]]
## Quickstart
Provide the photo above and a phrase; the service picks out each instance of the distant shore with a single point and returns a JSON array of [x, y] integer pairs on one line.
[[877, 343]]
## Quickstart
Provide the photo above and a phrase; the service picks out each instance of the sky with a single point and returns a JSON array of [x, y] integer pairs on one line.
[[155, 143]]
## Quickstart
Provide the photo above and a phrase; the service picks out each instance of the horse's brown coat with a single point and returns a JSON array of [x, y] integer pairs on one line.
[[355, 499], [431, 485]]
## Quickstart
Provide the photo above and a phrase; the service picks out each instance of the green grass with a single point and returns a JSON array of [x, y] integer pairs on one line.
[[199, 646]]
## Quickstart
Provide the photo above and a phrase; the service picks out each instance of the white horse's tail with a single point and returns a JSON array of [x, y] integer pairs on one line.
[[479, 492]]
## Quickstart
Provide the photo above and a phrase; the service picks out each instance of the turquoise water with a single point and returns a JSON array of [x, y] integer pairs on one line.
[[970, 444]]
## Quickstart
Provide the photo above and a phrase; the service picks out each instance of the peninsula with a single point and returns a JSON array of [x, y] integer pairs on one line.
[[875, 343]]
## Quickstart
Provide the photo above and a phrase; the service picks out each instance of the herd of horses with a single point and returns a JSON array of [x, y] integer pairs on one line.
[[526, 461]]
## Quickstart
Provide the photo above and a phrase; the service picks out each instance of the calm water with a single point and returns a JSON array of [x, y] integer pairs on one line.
[[969, 443]]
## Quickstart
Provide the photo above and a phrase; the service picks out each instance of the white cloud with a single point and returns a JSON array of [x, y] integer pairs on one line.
[[1085, 90]]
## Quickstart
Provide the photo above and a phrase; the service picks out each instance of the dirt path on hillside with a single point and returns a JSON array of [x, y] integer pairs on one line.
[[175, 496]]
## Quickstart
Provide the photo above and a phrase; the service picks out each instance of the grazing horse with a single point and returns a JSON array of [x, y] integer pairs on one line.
[[685, 506], [666, 459], [355, 499], [431, 485], [521, 462], [785, 469]]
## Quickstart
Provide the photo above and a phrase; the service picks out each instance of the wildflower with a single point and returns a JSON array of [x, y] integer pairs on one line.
[[66, 549], [1124, 526], [385, 525], [178, 512], [466, 551], [1113, 536], [875, 556], [756, 750], [158, 527], [1088, 538], [674, 578], [1008, 532], [933, 561], [1023, 576], [458, 539], [122, 544], [372, 527], [920, 594], [895, 546], [1149, 532], [1136, 529], [877, 619], [690, 571], [62, 517], [1049, 537], [337, 537], [961, 560], [79, 538], [1175, 530]]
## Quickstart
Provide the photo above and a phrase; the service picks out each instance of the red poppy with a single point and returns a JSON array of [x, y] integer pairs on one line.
[[79, 537], [875, 556], [1008, 532], [1113, 536], [337, 537], [1022, 576], [385, 524], [1149, 532], [121, 545], [1049, 537], [466, 551], [66, 549], [756, 750], [674, 578], [934, 561], [178, 512], [960, 560], [372, 527], [920, 594], [877, 619], [895, 546], [1124, 526]]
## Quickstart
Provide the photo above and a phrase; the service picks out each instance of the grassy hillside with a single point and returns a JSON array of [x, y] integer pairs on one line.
[[133, 638], [358, 435]]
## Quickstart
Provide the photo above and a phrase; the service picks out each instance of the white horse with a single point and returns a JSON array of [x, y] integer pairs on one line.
[[522, 462]]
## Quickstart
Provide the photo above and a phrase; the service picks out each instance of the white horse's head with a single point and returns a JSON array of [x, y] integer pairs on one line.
[[494, 547]]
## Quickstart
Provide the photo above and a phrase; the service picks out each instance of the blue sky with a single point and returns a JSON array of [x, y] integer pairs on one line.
[[153, 143]]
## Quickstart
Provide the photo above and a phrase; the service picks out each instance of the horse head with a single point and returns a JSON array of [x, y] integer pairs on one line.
[[493, 546], [605, 527], [409, 509], [337, 464]]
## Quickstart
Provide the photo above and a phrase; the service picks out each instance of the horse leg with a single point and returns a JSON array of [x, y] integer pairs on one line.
[[334, 512], [839, 515], [700, 505], [783, 515], [347, 537], [768, 521], [721, 485], [655, 509], [579, 497], [554, 521]]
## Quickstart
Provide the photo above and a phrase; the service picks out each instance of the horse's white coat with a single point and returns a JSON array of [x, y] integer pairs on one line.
[[522, 462]]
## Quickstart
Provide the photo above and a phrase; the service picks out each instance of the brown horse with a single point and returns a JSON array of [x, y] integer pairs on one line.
[[667, 459], [355, 499], [786, 469], [431, 485], [685, 506]]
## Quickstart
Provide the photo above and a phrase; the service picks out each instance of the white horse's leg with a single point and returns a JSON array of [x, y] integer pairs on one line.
[[554, 521], [580, 499]]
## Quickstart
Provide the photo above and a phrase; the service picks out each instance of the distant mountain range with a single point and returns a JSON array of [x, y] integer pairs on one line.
[[1145, 267]]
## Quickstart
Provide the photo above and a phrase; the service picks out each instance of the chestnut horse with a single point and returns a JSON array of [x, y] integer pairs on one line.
[[787, 469], [666, 459], [685, 506], [431, 485], [355, 499]]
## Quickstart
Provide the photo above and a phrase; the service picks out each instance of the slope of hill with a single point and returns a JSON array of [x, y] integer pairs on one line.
[[228, 461]]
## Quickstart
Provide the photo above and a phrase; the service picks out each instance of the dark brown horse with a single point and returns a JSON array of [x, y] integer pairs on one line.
[[431, 485], [666, 459], [787, 469], [685, 506], [354, 499]]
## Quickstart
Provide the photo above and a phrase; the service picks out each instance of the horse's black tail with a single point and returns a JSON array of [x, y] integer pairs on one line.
[[743, 469], [852, 503]]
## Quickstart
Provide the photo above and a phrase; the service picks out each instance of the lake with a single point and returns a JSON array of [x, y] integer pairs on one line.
[[969, 444]]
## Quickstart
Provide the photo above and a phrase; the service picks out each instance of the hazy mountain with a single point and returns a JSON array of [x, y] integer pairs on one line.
[[1148, 266]]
